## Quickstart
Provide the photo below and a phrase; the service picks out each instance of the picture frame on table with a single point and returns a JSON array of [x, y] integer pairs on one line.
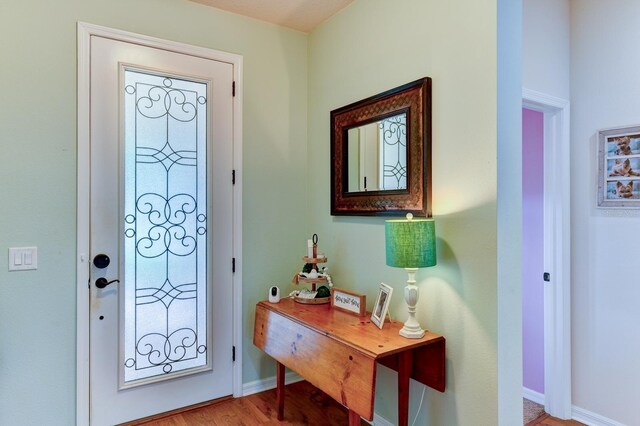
[[381, 307], [619, 168]]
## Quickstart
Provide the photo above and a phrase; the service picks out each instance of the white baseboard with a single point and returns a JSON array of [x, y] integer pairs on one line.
[[268, 383], [532, 395], [378, 420], [577, 413], [591, 419]]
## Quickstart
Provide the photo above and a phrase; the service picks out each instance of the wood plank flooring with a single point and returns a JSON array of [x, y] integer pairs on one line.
[[547, 420], [304, 405]]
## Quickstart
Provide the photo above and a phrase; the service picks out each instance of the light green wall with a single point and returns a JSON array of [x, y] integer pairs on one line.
[[454, 43], [286, 180], [38, 177]]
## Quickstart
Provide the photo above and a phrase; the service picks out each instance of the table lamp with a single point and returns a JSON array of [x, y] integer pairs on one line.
[[411, 244]]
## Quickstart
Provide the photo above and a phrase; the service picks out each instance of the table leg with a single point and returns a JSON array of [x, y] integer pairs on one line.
[[280, 390], [405, 362], [354, 418]]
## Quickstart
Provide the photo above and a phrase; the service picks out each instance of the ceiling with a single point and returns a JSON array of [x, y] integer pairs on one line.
[[301, 15]]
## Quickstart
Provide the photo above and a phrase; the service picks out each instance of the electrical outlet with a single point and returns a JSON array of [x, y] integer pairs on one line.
[[23, 258]]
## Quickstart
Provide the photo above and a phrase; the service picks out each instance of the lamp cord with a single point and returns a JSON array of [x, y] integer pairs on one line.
[[419, 406]]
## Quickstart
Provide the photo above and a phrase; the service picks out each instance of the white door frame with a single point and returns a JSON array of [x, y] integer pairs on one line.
[[85, 31], [557, 250]]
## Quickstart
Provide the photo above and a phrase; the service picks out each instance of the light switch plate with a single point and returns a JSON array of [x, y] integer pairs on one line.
[[23, 258]]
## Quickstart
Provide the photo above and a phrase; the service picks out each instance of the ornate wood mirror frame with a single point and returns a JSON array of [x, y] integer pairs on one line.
[[413, 195]]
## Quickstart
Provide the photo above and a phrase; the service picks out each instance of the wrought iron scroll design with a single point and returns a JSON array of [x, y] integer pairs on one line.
[[167, 225], [393, 132]]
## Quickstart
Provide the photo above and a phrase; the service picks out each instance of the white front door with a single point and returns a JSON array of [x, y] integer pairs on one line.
[[161, 224]]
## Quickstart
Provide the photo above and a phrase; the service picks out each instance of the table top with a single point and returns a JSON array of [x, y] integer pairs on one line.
[[350, 329]]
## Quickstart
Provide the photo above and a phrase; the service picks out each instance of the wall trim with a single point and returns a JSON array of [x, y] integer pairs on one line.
[[261, 385], [579, 414], [532, 395], [82, 228], [592, 419], [378, 420], [557, 256], [84, 33]]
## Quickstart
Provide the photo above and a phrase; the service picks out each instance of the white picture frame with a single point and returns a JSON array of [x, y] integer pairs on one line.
[[619, 167], [381, 306]]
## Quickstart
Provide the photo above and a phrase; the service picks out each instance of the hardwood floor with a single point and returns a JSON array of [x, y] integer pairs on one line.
[[547, 420], [303, 405]]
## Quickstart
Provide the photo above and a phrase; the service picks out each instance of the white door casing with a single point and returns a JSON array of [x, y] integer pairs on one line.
[[100, 195], [557, 251]]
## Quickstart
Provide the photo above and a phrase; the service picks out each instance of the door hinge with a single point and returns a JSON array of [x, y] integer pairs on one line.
[[233, 177], [233, 88], [546, 276], [233, 265], [233, 353]]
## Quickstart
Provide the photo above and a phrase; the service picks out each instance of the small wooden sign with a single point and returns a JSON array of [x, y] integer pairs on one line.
[[348, 301]]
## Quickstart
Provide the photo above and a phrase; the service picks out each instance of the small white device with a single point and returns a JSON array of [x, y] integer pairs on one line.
[[274, 294]]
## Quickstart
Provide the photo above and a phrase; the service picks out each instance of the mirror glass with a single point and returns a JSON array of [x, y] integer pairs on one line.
[[377, 155], [381, 153]]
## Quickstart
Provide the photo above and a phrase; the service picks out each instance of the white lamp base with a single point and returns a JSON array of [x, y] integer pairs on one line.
[[411, 329], [418, 334]]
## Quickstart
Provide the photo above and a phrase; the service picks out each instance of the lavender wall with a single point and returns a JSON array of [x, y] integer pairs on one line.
[[532, 250]]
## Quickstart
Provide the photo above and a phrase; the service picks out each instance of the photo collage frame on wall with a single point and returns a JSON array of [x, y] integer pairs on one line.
[[619, 167]]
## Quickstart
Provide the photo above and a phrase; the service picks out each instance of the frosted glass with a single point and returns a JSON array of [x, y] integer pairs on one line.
[[165, 226], [393, 141]]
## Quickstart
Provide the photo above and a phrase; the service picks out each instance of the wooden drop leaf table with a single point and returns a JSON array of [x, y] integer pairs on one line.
[[338, 352]]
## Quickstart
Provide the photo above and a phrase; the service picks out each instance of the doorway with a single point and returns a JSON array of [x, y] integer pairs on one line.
[[157, 226], [556, 259], [533, 255]]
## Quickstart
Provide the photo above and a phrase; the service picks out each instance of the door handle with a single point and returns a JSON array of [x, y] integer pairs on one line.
[[102, 282], [101, 261]]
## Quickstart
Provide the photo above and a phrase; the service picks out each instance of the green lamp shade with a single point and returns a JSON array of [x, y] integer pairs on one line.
[[410, 243]]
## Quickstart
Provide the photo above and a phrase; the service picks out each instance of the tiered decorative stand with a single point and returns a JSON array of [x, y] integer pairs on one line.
[[313, 282]]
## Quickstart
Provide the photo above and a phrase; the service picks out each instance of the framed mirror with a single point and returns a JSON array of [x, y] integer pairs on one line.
[[381, 153]]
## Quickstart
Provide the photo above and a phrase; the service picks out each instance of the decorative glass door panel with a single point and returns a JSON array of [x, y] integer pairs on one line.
[[161, 158], [164, 231]]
